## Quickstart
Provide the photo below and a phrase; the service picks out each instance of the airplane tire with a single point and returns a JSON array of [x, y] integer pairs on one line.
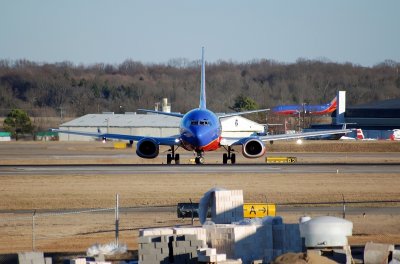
[[201, 160], [225, 158], [196, 160], [169, 158], [233, 158], [176, 158]]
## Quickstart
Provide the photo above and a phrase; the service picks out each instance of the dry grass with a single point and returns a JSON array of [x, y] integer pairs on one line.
[[78, 232]]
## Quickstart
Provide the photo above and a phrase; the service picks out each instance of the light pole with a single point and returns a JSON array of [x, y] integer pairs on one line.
[[107, 120]]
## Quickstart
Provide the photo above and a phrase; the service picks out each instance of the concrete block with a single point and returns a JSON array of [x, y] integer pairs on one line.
[[148, 249], [197, 243], [178, 251], [293, 241], [278, 236], [161, 245], [210, 251], [148, 246], [190, 237], [167, 238], [377, 253], [156, 231], [48, 260], [148, 239], [227, 206], [150, 257], [214, 258], [161, 257], [181, 244], [77, 261], [31, 258], [232, 261], [268, 255], [200, 232]]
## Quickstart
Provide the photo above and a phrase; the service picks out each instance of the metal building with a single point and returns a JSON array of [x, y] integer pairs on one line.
[[238, 126], [128, 123]]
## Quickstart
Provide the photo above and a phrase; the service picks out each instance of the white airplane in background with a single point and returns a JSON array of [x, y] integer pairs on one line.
[[395, 135], [200, 131], [360, 136]]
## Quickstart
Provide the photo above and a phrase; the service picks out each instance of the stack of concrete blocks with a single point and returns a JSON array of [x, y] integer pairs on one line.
[[221, 238], [33, 258], [255, 242], [278, 237], [170, 245], [227, 206], [247, 242], [199, 232], [209, 255], [286, 238], [293, 240]]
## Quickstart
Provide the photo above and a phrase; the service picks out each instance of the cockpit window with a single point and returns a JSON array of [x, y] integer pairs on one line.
[[200, 123]]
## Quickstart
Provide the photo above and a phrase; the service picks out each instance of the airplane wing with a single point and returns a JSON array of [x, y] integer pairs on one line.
[[168, 141], [161, 113], [231, 141], [242, 113]]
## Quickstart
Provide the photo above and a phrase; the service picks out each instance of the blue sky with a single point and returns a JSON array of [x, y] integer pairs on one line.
[[362, 32]]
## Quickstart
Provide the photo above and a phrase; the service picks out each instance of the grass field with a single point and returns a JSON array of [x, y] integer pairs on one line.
[[78, 232]]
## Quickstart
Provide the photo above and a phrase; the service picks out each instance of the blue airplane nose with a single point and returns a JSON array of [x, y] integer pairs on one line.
[[201, 136]]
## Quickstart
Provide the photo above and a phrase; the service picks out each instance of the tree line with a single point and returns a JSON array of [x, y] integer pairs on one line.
[[44, 89]]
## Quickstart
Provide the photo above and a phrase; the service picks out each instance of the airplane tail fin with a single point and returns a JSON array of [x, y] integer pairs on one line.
[[360, 134], [203, 82], [332, 105]]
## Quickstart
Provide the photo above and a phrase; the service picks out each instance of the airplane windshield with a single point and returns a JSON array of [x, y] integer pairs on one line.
[[200, 123]]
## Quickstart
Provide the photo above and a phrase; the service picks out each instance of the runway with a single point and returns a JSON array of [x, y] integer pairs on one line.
[[316, 168]]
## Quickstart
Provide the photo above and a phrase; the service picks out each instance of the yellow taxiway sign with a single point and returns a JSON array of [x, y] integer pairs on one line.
[[252, 210]]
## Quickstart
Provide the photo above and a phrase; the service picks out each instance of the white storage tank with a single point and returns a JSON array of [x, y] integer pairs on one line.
[[326, 231]]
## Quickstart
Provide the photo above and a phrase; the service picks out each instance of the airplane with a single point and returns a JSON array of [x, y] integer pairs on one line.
[[309, 109], [359, 136], [395, 134], [200, 131]]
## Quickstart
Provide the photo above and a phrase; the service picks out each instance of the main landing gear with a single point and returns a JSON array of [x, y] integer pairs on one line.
[[229, 156], [173, 156], [199, 158]]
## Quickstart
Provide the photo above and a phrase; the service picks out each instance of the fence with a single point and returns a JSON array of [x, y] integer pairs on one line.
[[77, 230], [70, 230]]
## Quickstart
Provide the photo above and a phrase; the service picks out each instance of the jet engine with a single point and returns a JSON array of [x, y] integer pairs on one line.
[[147, 148], [253, 148]]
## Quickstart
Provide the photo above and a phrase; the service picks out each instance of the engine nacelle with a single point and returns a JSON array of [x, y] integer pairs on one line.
[[253, 148], [147, 148]]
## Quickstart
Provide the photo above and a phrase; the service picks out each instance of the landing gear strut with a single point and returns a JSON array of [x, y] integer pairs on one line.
[[173, 156], [200, 158], [229, 156]]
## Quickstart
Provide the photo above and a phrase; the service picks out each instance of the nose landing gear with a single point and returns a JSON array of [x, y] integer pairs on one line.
[[200, 158]]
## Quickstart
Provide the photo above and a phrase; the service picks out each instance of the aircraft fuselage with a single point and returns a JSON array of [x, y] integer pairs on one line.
[[200, 130]]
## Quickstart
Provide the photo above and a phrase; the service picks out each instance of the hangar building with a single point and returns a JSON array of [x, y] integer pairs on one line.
[[376, 119], [148, 125]]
